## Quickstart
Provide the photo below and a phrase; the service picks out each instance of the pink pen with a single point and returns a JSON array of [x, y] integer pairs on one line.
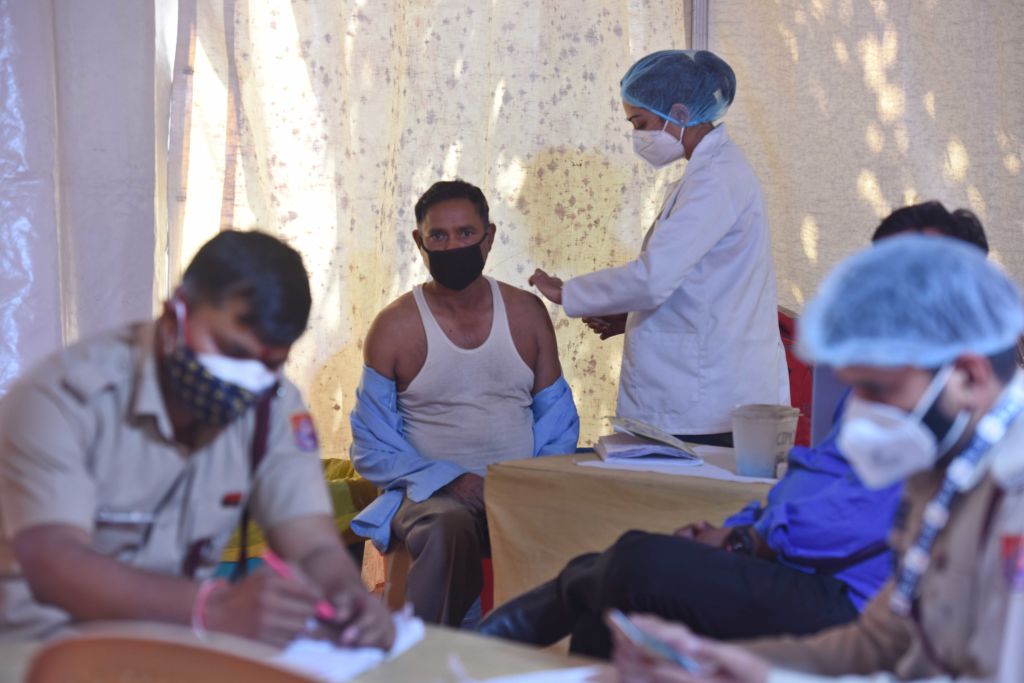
[[324, 609]]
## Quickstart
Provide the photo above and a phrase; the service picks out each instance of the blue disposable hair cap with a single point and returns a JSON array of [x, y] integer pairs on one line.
[[911, 300], [685, 87]]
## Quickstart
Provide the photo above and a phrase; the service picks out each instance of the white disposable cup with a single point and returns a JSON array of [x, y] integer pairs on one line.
[[762, 435]]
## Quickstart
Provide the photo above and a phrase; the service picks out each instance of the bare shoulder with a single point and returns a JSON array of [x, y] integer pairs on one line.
[[533, 334], [523, 306], [393, 331]]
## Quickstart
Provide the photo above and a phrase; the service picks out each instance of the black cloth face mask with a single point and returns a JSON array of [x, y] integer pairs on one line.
[[456, 268]]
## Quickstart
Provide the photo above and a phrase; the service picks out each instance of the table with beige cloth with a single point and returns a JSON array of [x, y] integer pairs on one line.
[[480, 657], [542, 512]]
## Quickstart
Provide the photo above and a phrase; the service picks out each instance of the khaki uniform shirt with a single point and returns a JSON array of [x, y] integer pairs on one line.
[[968, 620], [85, 440]]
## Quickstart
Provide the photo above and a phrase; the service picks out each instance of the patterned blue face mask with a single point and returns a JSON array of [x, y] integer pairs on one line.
[[216, 389]]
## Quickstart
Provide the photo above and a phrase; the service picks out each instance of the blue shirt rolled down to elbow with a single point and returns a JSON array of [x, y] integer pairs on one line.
[[820, 519]]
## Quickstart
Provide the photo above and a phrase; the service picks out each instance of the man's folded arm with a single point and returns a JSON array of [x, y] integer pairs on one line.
[[63, 570]]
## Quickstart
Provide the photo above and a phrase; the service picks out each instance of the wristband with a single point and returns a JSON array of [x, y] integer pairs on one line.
[[206, 589]]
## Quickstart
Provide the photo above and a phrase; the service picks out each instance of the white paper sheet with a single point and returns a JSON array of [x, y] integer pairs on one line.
[[331, 663], [580, 674]]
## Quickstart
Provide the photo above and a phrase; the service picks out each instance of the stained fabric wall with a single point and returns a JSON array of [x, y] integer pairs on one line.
[[849, 109]]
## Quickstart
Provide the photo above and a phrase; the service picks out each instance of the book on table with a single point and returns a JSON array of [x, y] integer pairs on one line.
[[636, 439]]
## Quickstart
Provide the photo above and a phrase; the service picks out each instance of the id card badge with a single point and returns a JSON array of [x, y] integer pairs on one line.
[[121, 533]]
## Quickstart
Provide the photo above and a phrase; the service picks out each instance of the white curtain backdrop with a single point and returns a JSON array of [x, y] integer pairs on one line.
[[79, 153], [323, 120], [849, 109]]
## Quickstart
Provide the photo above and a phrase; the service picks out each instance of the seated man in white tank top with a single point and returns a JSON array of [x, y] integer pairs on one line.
[[460, 373]]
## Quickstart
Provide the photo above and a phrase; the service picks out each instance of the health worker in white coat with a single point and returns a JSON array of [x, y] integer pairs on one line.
[[698, 305]]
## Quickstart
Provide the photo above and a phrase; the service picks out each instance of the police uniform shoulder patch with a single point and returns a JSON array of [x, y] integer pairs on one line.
[[304, 432]]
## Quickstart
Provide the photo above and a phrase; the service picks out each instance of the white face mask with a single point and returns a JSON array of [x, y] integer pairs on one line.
[[249, 374], [885, 445], [658, 147]]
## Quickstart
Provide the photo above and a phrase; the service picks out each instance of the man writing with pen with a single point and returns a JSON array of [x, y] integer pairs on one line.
[[126, 461]]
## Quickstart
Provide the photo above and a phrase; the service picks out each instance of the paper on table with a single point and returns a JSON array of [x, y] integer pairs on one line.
[[628, 446], [639, 428], [581, 674], [684, 468], [331, 663]]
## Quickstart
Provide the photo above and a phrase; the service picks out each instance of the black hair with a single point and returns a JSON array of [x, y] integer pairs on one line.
[[264, 271], [962, 224], [1004, 363], [446, 190]]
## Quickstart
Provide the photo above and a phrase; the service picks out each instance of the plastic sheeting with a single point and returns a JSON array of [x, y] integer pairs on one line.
[[77, 163], [29, 305]]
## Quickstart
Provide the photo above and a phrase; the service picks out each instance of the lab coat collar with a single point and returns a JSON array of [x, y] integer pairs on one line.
[[705, 153], [707, 148]]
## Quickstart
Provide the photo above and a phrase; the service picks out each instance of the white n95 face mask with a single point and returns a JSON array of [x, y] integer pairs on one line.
[[885, 445], [658, 147]]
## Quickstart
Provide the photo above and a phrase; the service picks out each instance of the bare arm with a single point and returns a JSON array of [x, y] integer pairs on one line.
[[533, 335], [547, 368], [63, 570], [379, 350], [396, 345], [314, 544]]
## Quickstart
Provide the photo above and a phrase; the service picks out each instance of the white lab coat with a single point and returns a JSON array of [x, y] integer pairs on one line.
[[702, 335]]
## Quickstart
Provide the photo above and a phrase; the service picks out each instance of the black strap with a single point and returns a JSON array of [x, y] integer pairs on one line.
[[259, 449], [835, 565]]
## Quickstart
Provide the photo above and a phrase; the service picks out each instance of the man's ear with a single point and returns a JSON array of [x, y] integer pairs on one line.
[[488, 242], [417, 238], [167, 328], [973, 381]]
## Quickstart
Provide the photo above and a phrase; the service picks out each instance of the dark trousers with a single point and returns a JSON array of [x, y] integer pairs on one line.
[[715, 593], [446, 540]]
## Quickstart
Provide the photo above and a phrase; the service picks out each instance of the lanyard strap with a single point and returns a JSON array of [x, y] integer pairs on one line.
[[259, 449], [960, 474]]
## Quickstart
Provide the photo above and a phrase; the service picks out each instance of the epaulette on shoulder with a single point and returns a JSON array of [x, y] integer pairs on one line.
[[97, 364]]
